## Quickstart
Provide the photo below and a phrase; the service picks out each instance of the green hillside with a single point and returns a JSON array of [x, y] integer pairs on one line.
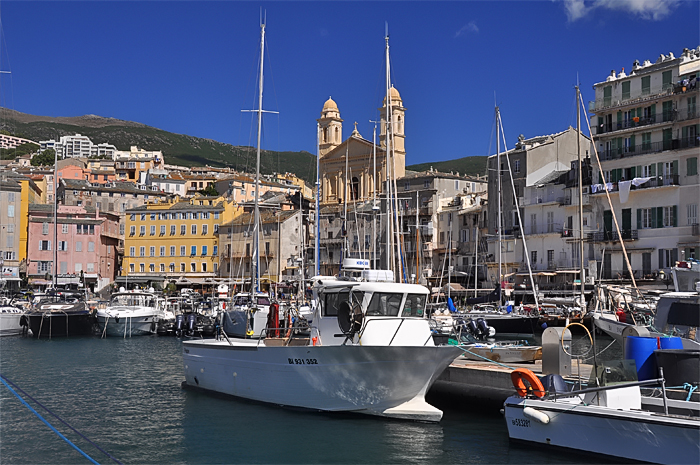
[[468, 166], [178, 149]]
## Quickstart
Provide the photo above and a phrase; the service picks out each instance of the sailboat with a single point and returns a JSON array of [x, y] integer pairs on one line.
[[369, 351]]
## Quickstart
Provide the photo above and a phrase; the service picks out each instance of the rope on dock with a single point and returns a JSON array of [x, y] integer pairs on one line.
[[5, 381]]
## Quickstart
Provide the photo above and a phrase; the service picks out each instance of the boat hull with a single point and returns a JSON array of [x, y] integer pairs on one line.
[[364, 379], [515, 324], [631, 434], [503, 354], [127, 326], [10, 324], [61, 324]]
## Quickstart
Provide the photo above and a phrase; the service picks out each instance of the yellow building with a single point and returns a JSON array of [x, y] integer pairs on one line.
[[31, 193], [173, 240]]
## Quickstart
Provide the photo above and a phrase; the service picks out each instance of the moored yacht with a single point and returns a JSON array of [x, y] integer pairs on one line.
[[61, 314], [130, 313]]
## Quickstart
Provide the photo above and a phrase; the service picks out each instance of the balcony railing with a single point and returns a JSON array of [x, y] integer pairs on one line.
[[649, 147], [639, 96], [606, 236]]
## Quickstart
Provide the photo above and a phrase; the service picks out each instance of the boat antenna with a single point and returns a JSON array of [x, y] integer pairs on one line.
[[317, 257]]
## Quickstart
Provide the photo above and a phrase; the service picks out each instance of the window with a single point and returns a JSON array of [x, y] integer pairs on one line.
[[550, 222], [142, 251], [646, 85], [62, 246], [193, 250], [182, 267], [142, 231], [172, 250], [162, 230], [666, 78], [142, 267], [205, 229], [44, 245], [152, 251], [215, 251], [172, 268], [533, 257], [204, 249], [183, 250], [646, 141], [183, 229], [121, 228], [162, 251], [45, 228], [64, 228], [193, 267], [132, 251], [172, 229], [194, 229], [143, 217], [216, 215], [533, 223], [45, 267], [669, 214], [383, 303], [626, 90], [692, 210], [204, 267], [132, 230], [153, 230], [426, 184], [151, 267], [216, 228], [645, 218], [153, 216], [442, 237], [162, 267], [516, 166]]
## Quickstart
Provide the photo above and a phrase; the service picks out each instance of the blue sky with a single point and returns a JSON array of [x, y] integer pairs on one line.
[[190, 67]]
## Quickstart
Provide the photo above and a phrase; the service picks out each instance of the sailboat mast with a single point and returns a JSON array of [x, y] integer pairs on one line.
[[580, 189], [387, 138], [498, 169], [256, 227], [317, 256], [374, 197], [55, 221]]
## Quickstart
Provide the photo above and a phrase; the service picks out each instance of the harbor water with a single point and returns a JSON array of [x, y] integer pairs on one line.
[[125, 396]]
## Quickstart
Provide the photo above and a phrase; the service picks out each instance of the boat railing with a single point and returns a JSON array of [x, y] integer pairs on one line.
[[648, 382]]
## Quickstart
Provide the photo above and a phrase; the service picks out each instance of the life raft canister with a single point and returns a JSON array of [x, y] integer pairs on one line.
[[520, 376]]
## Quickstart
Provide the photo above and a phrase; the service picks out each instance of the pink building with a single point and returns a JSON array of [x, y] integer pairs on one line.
[[86, 246]]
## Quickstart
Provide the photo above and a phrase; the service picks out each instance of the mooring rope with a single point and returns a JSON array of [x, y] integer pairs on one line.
[[5, 381]]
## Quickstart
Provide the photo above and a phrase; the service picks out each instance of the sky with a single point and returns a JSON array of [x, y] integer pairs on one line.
[[191, 67]]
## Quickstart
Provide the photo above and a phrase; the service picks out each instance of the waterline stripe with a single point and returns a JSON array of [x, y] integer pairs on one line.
[[2, 378]]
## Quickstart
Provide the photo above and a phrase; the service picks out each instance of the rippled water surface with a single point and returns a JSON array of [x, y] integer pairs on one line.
[[125, 396]]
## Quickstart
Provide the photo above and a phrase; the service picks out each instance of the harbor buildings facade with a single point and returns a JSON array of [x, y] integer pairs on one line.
[[10, 245], [645, 127]]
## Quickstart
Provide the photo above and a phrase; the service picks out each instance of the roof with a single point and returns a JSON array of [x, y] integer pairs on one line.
[[117, 186], [174, 206], [266, 217], [551, 177]]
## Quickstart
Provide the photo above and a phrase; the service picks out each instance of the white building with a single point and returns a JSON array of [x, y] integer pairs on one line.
[[78, 146], [645, 129], [10, 142]]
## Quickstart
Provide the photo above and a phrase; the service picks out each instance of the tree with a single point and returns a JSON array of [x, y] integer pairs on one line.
[[45, 158], [210, 191]]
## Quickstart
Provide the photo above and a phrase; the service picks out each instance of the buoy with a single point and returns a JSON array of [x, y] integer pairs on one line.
[[521, 375], [536, 415]]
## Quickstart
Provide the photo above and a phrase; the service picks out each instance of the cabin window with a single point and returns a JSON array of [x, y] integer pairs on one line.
[[385, 304], [415, 305], [332, 302]]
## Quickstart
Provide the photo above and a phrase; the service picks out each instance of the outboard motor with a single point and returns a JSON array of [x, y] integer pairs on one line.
[[179, 324], [191, 323], [472, 328], [483, 328]]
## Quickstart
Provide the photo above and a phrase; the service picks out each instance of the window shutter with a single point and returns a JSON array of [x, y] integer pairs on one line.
[[653, 111], [660, 169], [619, 173], [684, 133], [633, 173], [674, 167], [659, 217], [619, 119], [675, 216], [652, 170], [653, 217], [661, 258], [639, 218], [674, 257], [600, 178], [632, 143]]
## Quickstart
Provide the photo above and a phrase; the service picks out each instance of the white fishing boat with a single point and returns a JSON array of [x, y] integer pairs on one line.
[[130, 313], [609, 420], [370, 351]]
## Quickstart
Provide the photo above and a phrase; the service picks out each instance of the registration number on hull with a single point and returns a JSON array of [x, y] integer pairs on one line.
[[520, 422], [302, 361]]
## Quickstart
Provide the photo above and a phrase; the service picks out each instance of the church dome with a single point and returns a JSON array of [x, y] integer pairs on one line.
[[395, 96], [330, 105]]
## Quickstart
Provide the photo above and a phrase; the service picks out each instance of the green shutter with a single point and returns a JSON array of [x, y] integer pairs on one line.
[[652, 170], [619, 173], [639, 218], [661, 258], [692, 166], [619, 117], [653, 112], [600, 178], [659, 217], [632, 143], [675, 216], [639, 171], [660, 169], [684, 132], [633, 173], [653, 217], [674, 167]]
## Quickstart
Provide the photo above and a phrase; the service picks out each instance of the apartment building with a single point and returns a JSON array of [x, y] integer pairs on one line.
[[645, 128], [86, 246], [77, 146], [10, 142], [10, 219], [172, 240]]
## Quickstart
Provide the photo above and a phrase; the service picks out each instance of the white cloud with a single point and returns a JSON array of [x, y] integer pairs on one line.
[[470, 27], [644, 9]]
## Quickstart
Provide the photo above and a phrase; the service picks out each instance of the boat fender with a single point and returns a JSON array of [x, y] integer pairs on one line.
[[521, 376], [536, 415]]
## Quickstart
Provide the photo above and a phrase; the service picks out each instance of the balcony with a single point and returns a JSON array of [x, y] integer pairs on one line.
[[649, 147], [637, 97], [656, 181], [608, 236]]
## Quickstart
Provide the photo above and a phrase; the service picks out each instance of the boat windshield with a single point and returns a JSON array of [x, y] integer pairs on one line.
[[415, 305], [241, 300], [332, 301], [385, 304], [263, 300], [132, 300]]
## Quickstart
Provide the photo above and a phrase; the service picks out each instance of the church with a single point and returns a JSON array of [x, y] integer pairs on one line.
[[360, 182]]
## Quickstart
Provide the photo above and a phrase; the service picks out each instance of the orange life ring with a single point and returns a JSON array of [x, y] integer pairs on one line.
[[520, 375]]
